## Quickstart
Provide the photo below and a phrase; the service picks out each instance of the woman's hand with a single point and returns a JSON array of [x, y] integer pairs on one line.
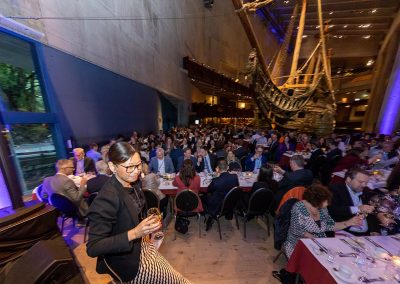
[[385, 221], [146, 227]]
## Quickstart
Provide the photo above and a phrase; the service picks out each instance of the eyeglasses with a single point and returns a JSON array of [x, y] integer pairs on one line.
[[131, 169], [69, 167]]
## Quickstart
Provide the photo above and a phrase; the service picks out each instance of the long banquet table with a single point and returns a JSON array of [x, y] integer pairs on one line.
[[313, 265]]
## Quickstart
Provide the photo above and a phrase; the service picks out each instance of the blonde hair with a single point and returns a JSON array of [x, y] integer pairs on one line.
[[78, 150]]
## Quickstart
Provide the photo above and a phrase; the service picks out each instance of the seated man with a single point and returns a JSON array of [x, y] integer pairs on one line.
[[93, 152], [187, 155], [297, 177], [348, 199], [60, 183], [205, 161], [218, 188], [103, 175], [161, 164], [81, 163], [256, 160]]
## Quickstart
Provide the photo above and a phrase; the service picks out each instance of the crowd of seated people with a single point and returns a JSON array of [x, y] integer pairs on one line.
[[222, 149]]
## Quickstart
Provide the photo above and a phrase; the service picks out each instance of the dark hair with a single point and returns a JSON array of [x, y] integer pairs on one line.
[[266, 174], [355, 152], [316, 194], [187, 172], [353, 172], [222, 165], [120, 152], [92, 145]]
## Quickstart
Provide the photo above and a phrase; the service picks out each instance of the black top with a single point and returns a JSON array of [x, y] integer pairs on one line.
[[112, 214]]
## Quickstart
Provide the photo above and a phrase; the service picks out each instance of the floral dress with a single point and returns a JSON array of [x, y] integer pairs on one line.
[[302, 222]]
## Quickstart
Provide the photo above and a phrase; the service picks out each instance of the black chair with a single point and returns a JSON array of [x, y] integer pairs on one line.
[[187, 202], [259, 205], [229, 206], [67, 209], [234, 166], [151, 199]]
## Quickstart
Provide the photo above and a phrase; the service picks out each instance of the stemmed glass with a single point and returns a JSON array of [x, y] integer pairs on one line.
[[158, 235]]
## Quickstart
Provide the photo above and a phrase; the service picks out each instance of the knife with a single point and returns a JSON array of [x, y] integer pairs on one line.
[[325, 250], [352, 246], [378, 246]]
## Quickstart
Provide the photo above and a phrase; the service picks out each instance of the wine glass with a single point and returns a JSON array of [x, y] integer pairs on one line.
[[157, 235]]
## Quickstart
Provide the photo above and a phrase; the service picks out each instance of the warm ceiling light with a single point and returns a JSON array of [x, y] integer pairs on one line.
[[345, 26], [286, 2], [347, 106], [373, 11], [364, 26], [366, 37], [331, 13], [370, 62], [344, 100], [304, 36], [356, 99], [331, 26], [317, 27], [237, 80]]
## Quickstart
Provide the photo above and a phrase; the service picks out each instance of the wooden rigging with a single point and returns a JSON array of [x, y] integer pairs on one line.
[[305, 100]]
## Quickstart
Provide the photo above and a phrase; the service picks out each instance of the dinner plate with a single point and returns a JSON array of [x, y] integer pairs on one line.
[[351, 279]]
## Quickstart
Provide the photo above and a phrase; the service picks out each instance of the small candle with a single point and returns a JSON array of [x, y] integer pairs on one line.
[[396, 260]]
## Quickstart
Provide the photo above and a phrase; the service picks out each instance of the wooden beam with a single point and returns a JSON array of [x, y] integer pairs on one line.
[[244, 19]]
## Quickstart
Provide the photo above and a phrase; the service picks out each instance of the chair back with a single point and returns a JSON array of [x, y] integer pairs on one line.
[[151, 199], [91, 197], [64, 205], [296, 192], [231, 200], [186, 201], [260, 201], [234, 166], [282, 222]]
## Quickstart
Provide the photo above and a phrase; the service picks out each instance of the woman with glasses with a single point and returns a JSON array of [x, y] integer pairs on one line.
[[118, 234]]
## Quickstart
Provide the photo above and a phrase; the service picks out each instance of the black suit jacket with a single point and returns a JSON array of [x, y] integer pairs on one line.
[[112, 214], [241, 152], [219, 187], [335, 152], [273, 151], [213, 163], [96, 183], [88, 165], [180, 162]]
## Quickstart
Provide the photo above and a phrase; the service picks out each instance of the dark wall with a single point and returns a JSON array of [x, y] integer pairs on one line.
[[94, 104]]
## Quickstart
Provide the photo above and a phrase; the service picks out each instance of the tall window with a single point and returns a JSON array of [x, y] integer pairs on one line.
[[24, 110]]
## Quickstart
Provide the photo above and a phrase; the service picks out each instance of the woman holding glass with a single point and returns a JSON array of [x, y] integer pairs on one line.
[[118, 234]]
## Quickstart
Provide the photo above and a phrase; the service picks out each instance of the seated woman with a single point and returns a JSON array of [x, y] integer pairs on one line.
[[187, 179], [151, 182], [118, 235], [310, 218], [233, 162], [265, 179]]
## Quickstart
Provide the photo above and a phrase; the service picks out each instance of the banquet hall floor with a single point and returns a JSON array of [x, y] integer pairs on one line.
[[207, 259]]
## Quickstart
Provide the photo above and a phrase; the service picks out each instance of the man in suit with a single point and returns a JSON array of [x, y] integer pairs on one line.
[[299, 176], [273, 148], [334, 151], [240, 151], [314, 163], [161, 164], [103, 175], [350, 198], [60, 183], [255, 161], [81, 163], [187, 155], [218, 188], [205, 161], [176, 154]]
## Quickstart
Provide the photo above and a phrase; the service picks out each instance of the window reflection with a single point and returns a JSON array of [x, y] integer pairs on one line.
[[19, 84], [35, 151]]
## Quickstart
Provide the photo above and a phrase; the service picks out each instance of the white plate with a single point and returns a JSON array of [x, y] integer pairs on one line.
[[351, 279]]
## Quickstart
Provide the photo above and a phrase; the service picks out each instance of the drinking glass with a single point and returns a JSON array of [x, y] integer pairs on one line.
[[330, 255], [157, 235]]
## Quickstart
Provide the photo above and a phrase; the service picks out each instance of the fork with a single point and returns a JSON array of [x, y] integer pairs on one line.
[[370, 280]]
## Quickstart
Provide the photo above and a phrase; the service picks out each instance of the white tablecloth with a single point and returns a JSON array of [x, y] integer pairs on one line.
[[374, 270], [375, 180]]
